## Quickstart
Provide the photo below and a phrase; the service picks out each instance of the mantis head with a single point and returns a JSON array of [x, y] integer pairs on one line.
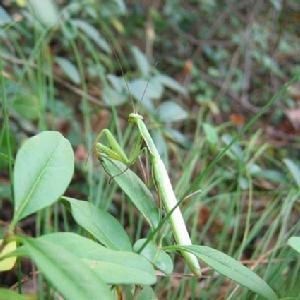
[[133, 117]]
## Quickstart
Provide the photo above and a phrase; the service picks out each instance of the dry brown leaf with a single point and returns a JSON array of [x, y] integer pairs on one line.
[[294, 116], [294, 91], [187, 68], [237, 119], [100, 121], [81, 153]]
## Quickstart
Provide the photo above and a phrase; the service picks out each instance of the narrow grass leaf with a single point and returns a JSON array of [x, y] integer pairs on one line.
[[294, 242], [43, 170], [69, 275], [113, 266], [230, 268], [102, 225], [135, 189]]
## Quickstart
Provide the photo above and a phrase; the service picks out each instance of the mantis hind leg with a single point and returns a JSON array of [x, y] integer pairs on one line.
[[111, 177]]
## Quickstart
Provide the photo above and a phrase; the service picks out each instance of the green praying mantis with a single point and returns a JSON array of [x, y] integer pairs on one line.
[[161, 178]]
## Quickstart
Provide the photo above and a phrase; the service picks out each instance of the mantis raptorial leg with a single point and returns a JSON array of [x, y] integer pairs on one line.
[[161, 178]]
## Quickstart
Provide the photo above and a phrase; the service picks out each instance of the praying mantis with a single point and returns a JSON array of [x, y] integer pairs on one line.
[[160, 176]]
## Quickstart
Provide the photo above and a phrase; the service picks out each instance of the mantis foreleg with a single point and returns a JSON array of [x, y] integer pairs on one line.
[[114, 150]]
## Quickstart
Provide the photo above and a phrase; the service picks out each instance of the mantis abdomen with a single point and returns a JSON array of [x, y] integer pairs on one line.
[[177, 222]]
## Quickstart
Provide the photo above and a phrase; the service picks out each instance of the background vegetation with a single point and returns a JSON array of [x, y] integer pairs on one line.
[[198, 71]]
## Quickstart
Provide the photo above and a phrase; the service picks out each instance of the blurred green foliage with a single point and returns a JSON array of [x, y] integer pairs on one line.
[[198, 70]]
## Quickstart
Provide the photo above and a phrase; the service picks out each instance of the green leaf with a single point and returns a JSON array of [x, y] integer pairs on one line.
[[113, 8], [142, 89], [235, 152], [277, 4], [4, 17], [46, 11], [27, 106], [93, 34], [43, 170], [156, 88], [230, 268], [119, 7], [272, 175], [294, 242], [69, 275], [117, 82], [114, 267], [69, 69], [243, 183], [178, 137], [147, 293], [102, 225], [158, 257], [160, 144], [135, 189], [170, 111], [6, 294], [7, 263], [141, 61], [210, 133], [294, 170], [172, 84], [112, 97]]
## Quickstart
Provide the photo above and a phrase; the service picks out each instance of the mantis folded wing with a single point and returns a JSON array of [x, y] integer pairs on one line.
[[161, 178]]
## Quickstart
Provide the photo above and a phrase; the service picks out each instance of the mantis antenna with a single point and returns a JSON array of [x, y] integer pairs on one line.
[[123, 76]]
